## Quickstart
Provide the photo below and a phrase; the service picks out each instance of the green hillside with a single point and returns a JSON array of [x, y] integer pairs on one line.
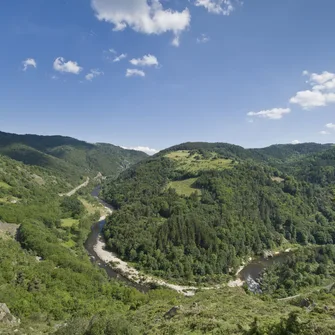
[[66, 156], [246, 206]]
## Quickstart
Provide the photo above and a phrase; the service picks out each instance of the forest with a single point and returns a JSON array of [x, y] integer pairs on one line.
[[233, 213]]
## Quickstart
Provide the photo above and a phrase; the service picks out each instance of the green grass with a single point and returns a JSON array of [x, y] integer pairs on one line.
[[184, 187], [93, 206], [69, 222], [4, 185], [187, 162]]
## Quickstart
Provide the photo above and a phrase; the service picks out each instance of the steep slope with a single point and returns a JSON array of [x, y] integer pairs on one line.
[[67, 156], [196, 213]]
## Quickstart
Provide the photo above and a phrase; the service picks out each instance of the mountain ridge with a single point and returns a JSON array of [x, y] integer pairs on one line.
[[66, 154]]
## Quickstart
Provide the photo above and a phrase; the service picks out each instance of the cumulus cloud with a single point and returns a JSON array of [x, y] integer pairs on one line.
[[135, 73], [273, 114], [147, 60], [119, 58], [310, 99], [69, 67], [143, 16], [319, 78], [223, 7], [330, 126], [147, 150], [322, 92], [93, 73], [29, 62], [295, 142], [203, 38]]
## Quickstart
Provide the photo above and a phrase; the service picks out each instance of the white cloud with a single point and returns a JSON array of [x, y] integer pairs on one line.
[[93, 73], [296, 142], [324, 132], [112, 51], [135, 73], [119, 58], [321, 78], [69, 67], [224, 7], [203, 38], [330, 126], [147, 150], [310, 99], [29, 62], [143, 16], [176, 41], [273, 114], [321, 94], [147, 60]]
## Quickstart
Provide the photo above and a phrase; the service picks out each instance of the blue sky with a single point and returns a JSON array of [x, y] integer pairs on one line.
[[252, 74]]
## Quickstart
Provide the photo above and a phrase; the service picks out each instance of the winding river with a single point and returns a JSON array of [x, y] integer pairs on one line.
[[91, 241], [249, 273]]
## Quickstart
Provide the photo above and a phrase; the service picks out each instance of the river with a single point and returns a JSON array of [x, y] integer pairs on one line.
[[91, 241], [255, 267]]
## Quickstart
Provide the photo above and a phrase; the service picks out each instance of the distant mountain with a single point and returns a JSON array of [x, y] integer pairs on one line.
[[68, 156], [273, 152]]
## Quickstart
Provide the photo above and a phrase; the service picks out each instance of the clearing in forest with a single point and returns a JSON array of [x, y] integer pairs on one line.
[[69, 222], [184, 187], [188, 161]]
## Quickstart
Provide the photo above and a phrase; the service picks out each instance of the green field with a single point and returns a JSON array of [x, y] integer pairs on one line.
[[184, 187], [69, 222], [193, 162], [93, 207]]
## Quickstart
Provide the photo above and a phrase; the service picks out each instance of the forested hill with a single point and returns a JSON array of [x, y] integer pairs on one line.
[[280, 152], [196, 210], [67, 156]]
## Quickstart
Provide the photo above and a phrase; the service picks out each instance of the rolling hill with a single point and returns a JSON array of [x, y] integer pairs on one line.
[[66, 156]]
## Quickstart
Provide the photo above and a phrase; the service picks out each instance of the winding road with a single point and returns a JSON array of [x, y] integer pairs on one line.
[[72, 192]]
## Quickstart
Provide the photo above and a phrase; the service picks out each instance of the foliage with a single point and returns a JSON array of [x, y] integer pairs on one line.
[[242, 211]]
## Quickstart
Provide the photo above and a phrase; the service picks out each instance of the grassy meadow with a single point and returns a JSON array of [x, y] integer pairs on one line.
[[194, 162]]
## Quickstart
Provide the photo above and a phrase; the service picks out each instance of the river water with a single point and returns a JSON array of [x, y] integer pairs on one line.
[[252, 272], [91, 241]]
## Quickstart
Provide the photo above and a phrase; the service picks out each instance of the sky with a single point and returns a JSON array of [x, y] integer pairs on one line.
[[149, 74]]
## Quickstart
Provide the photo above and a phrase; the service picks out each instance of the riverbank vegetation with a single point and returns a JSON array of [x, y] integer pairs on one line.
[[302, 270]]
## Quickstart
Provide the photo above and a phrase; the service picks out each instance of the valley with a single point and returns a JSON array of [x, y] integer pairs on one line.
[[189, 226]]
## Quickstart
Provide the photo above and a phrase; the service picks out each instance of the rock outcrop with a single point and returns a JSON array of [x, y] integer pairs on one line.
[[6, 316]]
